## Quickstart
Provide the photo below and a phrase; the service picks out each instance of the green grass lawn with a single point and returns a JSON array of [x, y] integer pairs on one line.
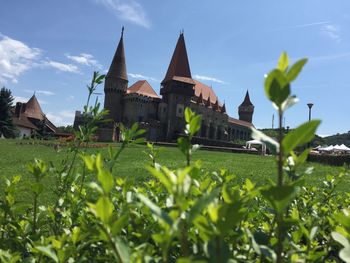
[[15, 157]]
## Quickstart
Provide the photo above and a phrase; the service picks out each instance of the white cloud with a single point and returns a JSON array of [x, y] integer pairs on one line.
[[61, 66], [201, 77], [42, 92], [331, 31], [70, 98], [331, 57], [140, 76], [25, 100], [15, 58], [62, 118], [20, 99], [85, 59], [128, 10], [310, 24]]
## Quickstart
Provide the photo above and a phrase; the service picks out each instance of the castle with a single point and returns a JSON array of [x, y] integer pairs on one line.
[[163, 116]]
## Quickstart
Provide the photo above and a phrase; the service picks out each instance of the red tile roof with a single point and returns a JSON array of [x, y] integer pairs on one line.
[[179, 66], [206, 91], [142, 87]]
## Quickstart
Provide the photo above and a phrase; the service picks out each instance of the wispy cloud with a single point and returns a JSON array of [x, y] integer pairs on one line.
[[20, 99], [140, 76], [70, 98], [61, 118], [25, 100], [43, 92], [331, 31], [61, 66], [85, 59], [331, 57], [128, 10], [206, 78], [16, 58], [310, 24]]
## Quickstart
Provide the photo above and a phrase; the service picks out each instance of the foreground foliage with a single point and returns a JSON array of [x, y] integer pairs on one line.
[[181, 215]]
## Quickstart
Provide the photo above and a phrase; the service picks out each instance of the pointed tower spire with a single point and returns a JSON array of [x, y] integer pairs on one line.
[[246, 101], [246, 109], [223, 108], [33, 109], [208, 103], [200, 99], [179, 67], [216, 105], [118, 65]]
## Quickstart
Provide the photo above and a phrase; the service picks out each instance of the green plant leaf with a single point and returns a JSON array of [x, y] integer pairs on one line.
[[202, 203], [123, 250], [344, 254], [279, 196], [289, 102], [47, 251], [188, 114], [155, 209], [103, 209], [283, 62], [271, 143], [277, 87], [340, 239], [299, 136], [195, 124], [295, 69], [120, 223]]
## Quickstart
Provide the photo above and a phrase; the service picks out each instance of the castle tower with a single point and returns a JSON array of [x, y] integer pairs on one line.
[[116, 83], [246, 109], [177, 89]]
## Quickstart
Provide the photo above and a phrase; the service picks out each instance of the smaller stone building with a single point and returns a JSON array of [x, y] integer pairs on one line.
[[29, 118]]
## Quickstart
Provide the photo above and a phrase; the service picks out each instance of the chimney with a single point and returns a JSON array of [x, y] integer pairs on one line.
[[18, 109]]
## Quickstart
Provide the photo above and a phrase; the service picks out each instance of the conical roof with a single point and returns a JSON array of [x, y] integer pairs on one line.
[[246, 101], [208, 102], [33, 109], [200, 99], [216, 105], [118, 65], [223, 108], [179, 67]]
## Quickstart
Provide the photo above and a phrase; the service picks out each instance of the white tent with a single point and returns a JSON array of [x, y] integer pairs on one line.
[[327, 149], [256, 142], [342, 148]]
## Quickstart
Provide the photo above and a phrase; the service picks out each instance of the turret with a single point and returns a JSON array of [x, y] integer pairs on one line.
[[177, 89], [116, 83], [246, 109]]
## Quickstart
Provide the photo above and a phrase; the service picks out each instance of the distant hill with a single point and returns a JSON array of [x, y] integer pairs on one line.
[[329, 140], [343, 138]]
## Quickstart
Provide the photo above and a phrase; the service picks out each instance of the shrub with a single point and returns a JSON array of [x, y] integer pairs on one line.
[[182, 215]]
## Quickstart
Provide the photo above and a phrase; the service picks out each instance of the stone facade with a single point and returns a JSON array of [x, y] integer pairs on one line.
[[163, 116]]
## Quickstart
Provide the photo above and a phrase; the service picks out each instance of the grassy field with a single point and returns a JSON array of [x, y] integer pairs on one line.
[[14, 159]]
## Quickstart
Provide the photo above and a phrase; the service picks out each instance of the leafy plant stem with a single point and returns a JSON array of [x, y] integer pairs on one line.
[[111, 243], [35, 212], [279, 219]]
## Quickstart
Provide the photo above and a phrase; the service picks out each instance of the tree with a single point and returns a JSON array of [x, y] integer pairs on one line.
[[7, 128]]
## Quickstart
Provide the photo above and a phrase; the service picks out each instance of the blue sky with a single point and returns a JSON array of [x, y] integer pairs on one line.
[[53, 47]]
